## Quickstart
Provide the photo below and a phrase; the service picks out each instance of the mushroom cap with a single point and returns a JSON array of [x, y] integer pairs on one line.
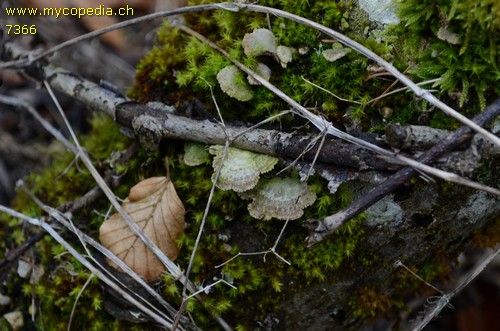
[[263, 71], [259, 42]]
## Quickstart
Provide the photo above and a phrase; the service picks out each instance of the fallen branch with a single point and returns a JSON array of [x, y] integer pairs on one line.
[[152, 125], [320, 230]]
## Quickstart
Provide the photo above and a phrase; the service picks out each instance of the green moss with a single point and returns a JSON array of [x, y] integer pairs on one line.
[[64, 180], [195, 60], [369, 303], [468, 70], [172, 73]]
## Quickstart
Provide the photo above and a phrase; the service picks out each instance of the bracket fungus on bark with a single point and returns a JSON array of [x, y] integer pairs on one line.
[[234, 84], [281, 198], [241, 169]]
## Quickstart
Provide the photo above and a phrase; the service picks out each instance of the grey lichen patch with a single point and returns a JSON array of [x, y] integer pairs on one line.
[[281, 198], [195, 154], [233, 83], [476, 204], [240, 169]]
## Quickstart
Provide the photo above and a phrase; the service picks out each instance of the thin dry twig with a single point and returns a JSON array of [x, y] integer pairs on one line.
[[78, 150], [108, 103], [329, 92], [419, 92], [65, 220], [205, 215], [87, 282], [320, 230]]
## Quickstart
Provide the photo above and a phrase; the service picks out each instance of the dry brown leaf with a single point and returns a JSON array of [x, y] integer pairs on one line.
[[155, 206]]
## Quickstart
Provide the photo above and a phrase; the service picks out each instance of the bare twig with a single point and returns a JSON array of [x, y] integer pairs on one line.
[[237, 6], [171, 267], [383, 95], [152, 126], [87, 282], [419, 92], [329, 92]]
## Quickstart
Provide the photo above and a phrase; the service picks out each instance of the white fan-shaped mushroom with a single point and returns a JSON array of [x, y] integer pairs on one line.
[[233, 83], [195, 154], [282, 198], [259, 42], [241, 169]]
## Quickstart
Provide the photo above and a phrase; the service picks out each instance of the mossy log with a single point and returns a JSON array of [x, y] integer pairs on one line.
[[423, 225], [370, 267]]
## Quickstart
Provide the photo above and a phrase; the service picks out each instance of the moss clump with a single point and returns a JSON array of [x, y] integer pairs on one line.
[[163, 77], [63, 181], [456, 41], [172, 73]]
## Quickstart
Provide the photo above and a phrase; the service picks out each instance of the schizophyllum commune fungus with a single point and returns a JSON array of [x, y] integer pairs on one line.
[[263, 71], [195, 154], [281, 198], [259, 42], [241, 169], [233, 83]]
